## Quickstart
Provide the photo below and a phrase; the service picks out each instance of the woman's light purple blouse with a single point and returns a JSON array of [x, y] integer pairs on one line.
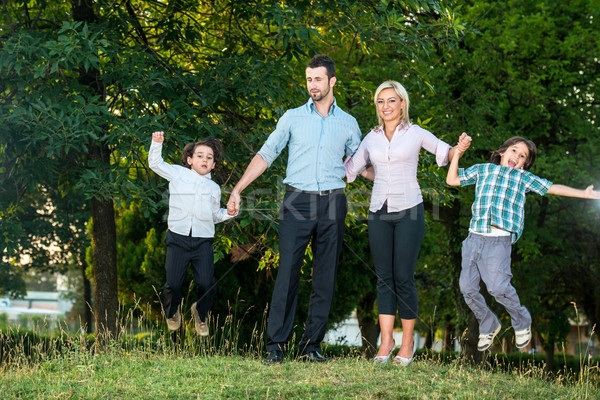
[[395, 164]]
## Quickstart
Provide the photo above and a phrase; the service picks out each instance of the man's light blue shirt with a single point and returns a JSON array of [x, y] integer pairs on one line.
[[317, 146]]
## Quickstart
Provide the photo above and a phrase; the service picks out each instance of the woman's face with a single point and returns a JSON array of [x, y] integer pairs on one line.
[[389, 106]]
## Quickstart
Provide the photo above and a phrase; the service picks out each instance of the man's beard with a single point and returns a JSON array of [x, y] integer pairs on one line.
[[320, 95]]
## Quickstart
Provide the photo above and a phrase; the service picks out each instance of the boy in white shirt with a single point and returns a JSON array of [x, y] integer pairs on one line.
[[194, 209]]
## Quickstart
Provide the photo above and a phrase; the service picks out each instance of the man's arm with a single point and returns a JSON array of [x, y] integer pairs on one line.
[[562, 190], [255, 169]]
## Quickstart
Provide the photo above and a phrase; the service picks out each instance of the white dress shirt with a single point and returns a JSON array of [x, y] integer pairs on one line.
[[194, 199], [395, 162]]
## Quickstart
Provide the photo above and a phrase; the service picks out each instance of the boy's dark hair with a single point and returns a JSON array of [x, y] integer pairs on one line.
[[321, 60], [497, 154], [190, 148]]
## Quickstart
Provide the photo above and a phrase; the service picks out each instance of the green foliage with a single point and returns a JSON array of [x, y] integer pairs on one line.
[[11, 283], [230, 69], [222, 68], [3, 320], [140, 259]]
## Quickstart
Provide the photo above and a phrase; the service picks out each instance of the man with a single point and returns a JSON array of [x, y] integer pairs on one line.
[[314, 207]]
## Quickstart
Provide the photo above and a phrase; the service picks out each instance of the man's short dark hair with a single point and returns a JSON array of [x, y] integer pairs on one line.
[[321, 60]]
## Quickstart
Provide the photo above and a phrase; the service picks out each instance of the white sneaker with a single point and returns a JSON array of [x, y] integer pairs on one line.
[[200, 326], [486, 340], [174, 322], [523, 337]]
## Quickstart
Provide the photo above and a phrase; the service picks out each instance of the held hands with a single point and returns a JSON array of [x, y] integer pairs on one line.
[[233, 205], [464, 141], [158, 136], [368, 172]]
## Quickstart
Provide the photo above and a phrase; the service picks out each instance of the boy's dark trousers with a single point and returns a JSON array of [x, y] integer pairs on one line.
[[181, 251]]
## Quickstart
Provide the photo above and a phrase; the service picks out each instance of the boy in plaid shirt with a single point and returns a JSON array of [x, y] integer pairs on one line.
[[496, 223]]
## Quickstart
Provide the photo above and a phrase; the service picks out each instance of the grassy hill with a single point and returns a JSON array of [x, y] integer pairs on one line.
[[137, 374]]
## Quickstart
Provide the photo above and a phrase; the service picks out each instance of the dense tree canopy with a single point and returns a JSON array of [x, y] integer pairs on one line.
[[84, 83], [87, 81]]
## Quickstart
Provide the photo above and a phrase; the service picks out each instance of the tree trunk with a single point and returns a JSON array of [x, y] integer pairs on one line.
[[469, 344], [449, 333], [106, 305], [369, 328], [549, 350], [87, 300], [430, 336]]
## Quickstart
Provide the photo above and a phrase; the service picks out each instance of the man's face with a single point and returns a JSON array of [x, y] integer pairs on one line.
[[318, 83]]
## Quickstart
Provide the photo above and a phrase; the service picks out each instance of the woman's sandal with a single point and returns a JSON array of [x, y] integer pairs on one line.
[[405, 362], [385, 359]]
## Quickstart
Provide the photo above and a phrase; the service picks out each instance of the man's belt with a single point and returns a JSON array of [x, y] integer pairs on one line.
[[289, 188]]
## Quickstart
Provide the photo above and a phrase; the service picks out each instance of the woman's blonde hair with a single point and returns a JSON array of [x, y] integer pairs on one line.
[[401, 92]]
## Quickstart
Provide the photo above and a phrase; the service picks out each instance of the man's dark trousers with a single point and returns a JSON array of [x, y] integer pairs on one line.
[[306, 216]]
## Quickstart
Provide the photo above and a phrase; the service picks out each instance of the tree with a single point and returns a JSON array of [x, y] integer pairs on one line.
[[54, 84]]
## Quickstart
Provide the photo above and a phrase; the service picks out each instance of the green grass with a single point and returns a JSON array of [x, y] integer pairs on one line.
[[118, 373], [145, 361]]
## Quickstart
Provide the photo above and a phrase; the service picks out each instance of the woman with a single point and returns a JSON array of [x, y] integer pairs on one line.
[[396, 217]]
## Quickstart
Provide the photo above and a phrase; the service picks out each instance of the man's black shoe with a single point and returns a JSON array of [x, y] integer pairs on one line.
[[274, 357], [314, 356]]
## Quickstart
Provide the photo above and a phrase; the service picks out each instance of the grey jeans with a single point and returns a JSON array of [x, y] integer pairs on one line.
[[488, 259]]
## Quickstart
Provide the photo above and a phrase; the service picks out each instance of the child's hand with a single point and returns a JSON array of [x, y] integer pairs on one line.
[[233, 205], [158, 136], [591, 193], [464, 142]]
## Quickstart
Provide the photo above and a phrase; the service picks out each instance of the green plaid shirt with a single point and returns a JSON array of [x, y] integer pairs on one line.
[[500, 196]]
